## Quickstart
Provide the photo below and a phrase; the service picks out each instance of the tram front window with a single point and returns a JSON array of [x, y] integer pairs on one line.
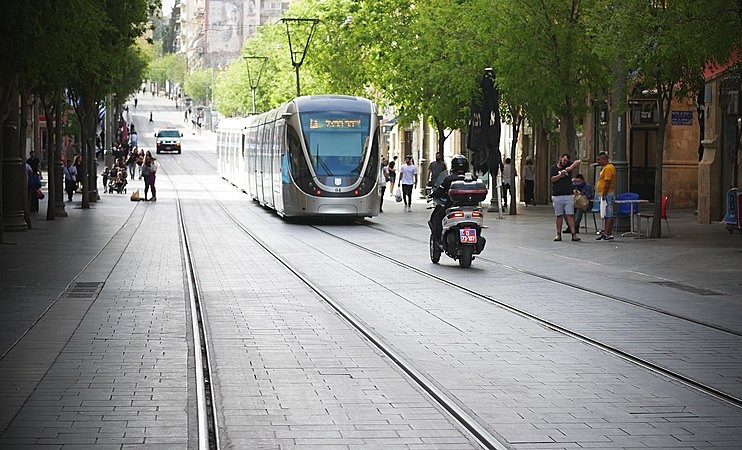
[[336, 142]]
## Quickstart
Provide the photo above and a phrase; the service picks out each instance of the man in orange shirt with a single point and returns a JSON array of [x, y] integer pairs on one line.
[[605, 189]]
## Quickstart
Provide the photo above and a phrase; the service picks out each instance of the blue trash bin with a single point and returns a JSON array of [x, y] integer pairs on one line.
[[734, 202]]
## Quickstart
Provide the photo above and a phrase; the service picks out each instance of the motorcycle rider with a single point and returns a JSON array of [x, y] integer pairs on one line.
[[459, 166]]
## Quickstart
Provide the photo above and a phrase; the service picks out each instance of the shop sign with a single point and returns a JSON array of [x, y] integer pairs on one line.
[[682, 117]]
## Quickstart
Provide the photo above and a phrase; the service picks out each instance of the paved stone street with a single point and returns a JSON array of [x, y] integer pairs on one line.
[[538, 342]]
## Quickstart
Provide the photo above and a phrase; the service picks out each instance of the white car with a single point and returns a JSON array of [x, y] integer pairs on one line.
[[168, 140]]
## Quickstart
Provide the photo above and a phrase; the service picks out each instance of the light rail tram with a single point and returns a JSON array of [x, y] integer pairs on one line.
[[312, 156]]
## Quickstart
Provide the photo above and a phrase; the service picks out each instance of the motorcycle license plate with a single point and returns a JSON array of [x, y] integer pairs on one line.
[[468, 235]]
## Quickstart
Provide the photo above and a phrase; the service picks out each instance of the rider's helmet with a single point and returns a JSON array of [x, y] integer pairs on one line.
[[459, 164]]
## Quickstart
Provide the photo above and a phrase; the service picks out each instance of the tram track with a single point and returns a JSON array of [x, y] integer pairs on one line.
[[208, 430], [582, 337], [644, 363], [584, 289], [441, 398]]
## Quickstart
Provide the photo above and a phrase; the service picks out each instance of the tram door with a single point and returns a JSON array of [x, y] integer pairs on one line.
[[643, 162]]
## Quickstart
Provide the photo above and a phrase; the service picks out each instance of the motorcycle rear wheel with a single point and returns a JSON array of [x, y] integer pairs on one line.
[[467, 254], [435, 251]]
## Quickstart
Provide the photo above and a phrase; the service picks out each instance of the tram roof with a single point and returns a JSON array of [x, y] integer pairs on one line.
[[331, 102]]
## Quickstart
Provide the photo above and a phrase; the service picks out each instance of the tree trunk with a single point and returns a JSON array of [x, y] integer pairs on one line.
[[517, 121], [22, 131], [59, 210], [567, 132], [51, 144], [664, 103]]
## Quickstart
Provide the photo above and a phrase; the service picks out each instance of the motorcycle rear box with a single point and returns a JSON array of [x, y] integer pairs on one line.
[[467, 192]]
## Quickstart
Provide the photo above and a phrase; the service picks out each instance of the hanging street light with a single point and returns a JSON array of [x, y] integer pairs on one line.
[[294, 26], [261, 60]]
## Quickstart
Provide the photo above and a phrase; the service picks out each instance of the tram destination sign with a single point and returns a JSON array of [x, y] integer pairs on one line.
[[682, 117], [319, 124]]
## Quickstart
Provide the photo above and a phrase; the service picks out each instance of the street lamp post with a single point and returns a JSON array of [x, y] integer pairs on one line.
[[254, 85], [297, 62]]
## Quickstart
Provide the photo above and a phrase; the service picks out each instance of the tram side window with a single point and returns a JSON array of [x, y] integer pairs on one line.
[[372, 169], [299, 168]]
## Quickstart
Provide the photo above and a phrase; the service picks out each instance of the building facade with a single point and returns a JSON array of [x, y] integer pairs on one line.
[[213, 31]]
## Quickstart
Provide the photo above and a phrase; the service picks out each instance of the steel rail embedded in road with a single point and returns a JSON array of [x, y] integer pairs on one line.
[[641, 362], [478, 432], [208, 432]]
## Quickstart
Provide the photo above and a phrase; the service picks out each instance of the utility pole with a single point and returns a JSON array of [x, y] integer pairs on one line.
[[254, 84], [298, 24]]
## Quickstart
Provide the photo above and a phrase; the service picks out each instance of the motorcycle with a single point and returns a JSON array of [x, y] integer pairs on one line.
[[462, 225]]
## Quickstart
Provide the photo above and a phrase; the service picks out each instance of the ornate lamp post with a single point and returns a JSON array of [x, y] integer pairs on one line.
[[254, 84], [297, 24]]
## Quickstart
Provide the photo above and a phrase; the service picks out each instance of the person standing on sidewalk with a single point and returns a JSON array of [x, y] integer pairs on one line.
[[529, 175], [408, 180], [149, 170], [562, 196], [605, 187]]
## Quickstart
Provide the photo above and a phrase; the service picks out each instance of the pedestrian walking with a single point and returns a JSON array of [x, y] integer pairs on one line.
[[33, 186], [606, 186], [34, 162], [507, 174], [529, 176], [435, 169], [78, 171], [150, 117], [408, 180], [582, 187], [70, 179], [131, 162], [383, 179], [562, 196], [140, 162], [392, 176], [105, 175]]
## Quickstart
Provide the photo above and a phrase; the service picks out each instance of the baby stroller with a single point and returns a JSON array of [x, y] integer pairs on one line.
[[118, 182]]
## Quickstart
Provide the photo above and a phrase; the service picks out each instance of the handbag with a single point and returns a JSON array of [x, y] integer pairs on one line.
[[38, 194], [398, 195], [581, 202], [603, 207]]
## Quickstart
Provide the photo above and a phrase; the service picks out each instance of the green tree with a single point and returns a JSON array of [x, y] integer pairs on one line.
[[101, 69], [198, 85], [658, 41], [544, 58]]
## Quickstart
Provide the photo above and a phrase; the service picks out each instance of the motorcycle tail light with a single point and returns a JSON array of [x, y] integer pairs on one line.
[[456, 215], [356, 192], [476, 214], [318, 192]]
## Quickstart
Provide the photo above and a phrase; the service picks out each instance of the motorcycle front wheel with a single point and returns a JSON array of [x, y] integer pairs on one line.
[[467, 254], [435, 251]]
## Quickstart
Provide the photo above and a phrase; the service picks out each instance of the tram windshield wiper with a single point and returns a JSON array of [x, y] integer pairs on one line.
[[319, 161]]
